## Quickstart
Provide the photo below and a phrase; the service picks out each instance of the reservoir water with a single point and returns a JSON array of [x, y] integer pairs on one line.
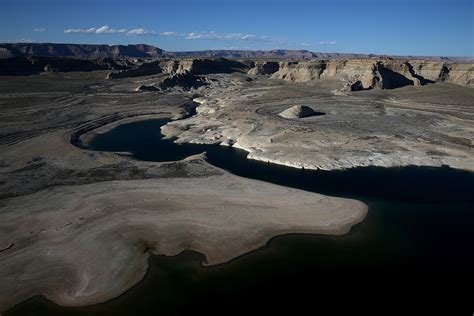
[[415, 246]]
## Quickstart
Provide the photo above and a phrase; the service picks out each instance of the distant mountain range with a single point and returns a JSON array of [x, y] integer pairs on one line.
[[9, 50], [269, 54]]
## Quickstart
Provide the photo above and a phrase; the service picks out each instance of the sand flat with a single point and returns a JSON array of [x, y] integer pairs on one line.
[[85, 244]]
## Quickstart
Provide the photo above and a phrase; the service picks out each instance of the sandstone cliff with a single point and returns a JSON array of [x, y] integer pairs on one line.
[[386, 73], [264, 68]]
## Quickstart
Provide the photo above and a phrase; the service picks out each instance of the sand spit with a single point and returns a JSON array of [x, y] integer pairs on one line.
[[85, 244]]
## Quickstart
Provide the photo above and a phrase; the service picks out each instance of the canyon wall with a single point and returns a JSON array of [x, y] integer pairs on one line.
[[362, 74]]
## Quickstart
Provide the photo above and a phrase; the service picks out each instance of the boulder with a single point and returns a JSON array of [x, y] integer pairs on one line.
[[299, 111]]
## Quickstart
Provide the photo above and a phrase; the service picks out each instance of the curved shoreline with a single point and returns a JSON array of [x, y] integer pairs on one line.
[[256, 247], [83, 136], [375, 130], [335, 216]]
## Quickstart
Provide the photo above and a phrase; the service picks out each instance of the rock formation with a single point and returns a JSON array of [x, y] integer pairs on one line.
[[300, 71], [358, 72], [264, 68], [183, 81], [145, 69], [183, 66], [299, 111], [386, 73], [203, 66]]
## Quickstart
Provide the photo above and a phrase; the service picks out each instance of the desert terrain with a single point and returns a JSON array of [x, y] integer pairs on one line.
[[78, 225]]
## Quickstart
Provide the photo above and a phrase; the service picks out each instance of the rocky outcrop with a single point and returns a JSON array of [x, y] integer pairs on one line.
[[386, 73], [462, 74], [264, 68], [183, 66], [145, 69], [204, 66], [183, 81], [300, 71], [299, 111]]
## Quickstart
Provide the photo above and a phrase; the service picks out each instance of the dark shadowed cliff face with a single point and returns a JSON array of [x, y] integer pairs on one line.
[[199, 66], [79, 50], [144, 69], [35, 65]]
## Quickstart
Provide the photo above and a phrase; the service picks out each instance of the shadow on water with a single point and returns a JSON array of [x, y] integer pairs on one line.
[[415, 246]]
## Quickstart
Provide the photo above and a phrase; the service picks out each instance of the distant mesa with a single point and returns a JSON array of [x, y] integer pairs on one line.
[[28, 65], [9, 50], [299, 111], [143, 51]]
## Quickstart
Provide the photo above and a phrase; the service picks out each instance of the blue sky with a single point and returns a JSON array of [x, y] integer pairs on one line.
[[399, 27]]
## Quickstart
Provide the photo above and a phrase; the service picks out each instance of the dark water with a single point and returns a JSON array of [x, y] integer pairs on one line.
[[414, 250]]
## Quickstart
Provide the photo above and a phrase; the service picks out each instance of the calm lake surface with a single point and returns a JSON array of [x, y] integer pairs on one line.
[[415, 246]]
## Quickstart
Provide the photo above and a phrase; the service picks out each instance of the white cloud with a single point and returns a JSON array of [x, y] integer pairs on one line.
[[327, 43], [141, 31], [231, 37], [105, 29], [216, 36], [39, 29], [73, 31], [169, 34], [212, 35], [306, 44]]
